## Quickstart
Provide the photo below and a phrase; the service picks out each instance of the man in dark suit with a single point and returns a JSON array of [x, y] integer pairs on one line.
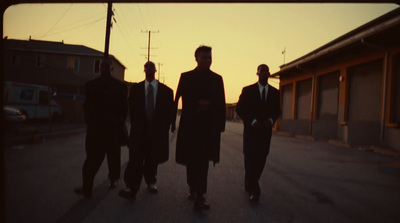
[[259, 108], [202, 121], [151, 109], [105, 109]]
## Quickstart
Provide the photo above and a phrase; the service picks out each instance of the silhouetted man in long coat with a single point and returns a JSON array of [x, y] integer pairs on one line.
[[202, 121], [105, 109]]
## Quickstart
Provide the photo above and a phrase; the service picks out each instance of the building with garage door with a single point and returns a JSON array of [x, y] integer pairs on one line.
[[348, 90]]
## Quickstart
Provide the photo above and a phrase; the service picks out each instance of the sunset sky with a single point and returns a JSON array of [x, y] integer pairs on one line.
[[242, 35]]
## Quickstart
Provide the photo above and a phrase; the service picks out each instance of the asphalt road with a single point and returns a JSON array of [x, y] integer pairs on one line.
[[303, 181]]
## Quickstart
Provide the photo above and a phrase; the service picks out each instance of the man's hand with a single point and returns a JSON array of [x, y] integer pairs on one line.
[[257, 124], [265, 124]]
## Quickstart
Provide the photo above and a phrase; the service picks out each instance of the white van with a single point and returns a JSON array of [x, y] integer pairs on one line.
[[33, 100]]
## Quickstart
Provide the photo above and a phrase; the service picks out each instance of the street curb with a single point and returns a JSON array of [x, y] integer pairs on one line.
[[390, 152], [390, 167], [41, 137], [340, 143], [305, 137]]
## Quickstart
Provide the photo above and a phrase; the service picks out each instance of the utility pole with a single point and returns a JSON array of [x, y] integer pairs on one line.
[[148, 47], [108, 29], [148, 44], [159, 70]]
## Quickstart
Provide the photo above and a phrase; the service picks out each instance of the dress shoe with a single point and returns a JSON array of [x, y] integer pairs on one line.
[[80, 191], [152, 188], [254, 199], [201, 204], [127, 194], [113, 184]]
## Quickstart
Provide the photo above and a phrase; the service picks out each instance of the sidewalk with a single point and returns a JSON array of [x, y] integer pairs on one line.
[[380, 150], [36, 132]]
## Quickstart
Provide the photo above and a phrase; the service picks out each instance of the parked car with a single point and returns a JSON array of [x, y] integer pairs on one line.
[[13, 115]]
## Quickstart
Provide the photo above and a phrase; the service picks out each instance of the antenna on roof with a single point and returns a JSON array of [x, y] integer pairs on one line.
[[284, 54]]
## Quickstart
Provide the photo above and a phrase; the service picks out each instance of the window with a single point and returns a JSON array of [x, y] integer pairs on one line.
[[43, 98], [39, 61], [26, 94], [73, 64], [96, 66]]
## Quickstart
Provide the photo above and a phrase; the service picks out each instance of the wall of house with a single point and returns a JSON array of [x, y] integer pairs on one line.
[[118, 71], [54, 70]]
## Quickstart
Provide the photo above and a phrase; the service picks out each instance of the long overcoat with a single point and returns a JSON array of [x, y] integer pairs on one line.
[[105, 109], [200, 125], [158, 128], [250, 107]]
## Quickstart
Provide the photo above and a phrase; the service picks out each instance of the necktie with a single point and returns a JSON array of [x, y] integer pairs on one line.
[[263, 95], [150, 102]]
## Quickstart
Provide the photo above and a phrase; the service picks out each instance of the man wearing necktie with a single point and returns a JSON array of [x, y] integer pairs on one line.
[[259, 108], [151, 110]]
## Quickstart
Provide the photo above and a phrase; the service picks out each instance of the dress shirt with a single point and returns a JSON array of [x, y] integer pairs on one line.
[[154, 83], [261, 88]]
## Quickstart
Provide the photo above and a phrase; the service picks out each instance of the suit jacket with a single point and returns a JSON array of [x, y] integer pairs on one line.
[[158, 127], [105, 108], [200, 128], [250, 107]]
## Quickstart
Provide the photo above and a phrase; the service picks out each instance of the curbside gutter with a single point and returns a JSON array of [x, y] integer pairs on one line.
[[40, 137]]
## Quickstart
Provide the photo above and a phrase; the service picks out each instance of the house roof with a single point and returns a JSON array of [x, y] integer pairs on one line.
[[53, 47], [384, 30]]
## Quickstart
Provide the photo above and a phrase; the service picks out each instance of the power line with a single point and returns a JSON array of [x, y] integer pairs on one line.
[[141, 15], [124, 36], [125, 32], [150, 15], [132, 15], [57, 21], [78, 27], [84, 27]]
